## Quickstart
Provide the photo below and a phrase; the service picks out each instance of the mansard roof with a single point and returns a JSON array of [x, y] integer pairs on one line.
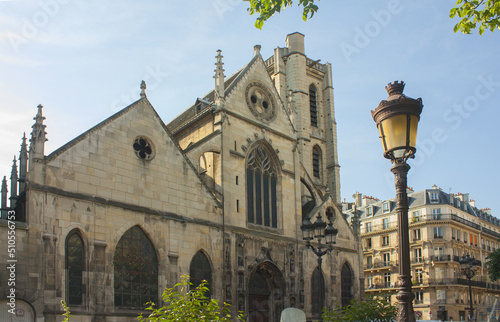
[[427, 197]]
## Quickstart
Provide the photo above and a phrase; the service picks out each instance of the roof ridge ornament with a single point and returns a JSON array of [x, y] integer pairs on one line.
[[38, 135], [219, 76], [23, 164], [143, 89], [13, 184], [3, 204]]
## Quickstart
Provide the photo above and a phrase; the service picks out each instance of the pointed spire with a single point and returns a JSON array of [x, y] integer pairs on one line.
[[219, 76], [38, 136], [4, 199], [13, 184], [143, 89], [23, 164]]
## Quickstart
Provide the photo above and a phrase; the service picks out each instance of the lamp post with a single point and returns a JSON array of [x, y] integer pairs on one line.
[[318, 231], [397, 119], [469, 267]]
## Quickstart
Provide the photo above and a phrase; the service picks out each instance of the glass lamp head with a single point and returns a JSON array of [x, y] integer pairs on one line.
[[397, 120], [307, 228], [319, 227]]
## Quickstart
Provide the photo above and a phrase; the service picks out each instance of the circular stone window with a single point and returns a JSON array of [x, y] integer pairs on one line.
[[143, 148], [260, 101]]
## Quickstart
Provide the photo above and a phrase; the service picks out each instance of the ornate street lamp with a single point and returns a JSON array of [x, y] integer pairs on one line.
[[397, 119], [469, 267], [318, 231]]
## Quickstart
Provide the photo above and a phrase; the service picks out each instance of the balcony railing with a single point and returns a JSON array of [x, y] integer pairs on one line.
[[441, 281], [381, 285], [416, 260], [462, 281], [381, 264], [441, 258], [419, 281], [491, 232], [381, 227]]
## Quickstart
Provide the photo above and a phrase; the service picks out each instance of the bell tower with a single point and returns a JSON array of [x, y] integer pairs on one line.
[[307, 87]]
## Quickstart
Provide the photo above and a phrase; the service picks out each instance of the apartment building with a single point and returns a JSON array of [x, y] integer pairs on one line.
[[443, 228]]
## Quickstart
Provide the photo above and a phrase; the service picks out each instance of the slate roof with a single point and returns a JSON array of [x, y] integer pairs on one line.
[[193, 111], [422, 198]]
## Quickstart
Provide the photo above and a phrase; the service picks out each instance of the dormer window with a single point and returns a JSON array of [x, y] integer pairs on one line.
[[434, 196], [369, 211], [386, 207]]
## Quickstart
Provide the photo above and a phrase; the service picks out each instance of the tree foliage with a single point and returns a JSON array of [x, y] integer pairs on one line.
[[493, 263], [267, 8], [371, 309], [187, 305], [67, 314], [481, 14]]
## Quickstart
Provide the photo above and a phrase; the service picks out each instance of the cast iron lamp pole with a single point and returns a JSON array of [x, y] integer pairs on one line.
[[469, 266], [397, 119], [319, 230]]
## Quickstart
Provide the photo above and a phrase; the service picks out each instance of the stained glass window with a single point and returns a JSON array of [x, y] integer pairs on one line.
[[136, 270], [75, 261], [261, 189], [200, 270], [317, 291], [346, 280]]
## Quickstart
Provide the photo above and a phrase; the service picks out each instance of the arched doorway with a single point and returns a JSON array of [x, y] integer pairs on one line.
[[23, 311], [266, 289]]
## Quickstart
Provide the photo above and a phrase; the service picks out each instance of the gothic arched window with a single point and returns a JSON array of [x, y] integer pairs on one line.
[[261, 189], [317, 291], [136, 270], [316, 161], [75, 264], [346, 284], [200, 270], [313, 106]]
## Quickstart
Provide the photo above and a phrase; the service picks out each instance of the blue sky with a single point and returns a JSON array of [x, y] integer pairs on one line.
[[84, 60]]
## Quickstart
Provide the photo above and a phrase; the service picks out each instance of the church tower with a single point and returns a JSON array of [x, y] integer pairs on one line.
[[307, 87]]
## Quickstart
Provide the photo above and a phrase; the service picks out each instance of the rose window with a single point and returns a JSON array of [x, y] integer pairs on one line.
[[143, 148]]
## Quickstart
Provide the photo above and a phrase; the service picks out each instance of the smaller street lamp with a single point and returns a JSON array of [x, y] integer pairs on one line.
[[318, 231], [469, 266]]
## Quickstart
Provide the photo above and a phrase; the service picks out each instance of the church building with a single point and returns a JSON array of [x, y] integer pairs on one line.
[[220, 193]]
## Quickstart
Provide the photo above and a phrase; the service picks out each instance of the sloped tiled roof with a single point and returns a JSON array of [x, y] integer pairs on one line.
[[191, 112], [97, 127]]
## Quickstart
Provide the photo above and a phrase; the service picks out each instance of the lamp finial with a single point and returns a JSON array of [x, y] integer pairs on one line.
[[395, 88]]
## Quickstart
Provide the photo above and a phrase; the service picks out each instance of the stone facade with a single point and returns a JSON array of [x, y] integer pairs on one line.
[[231, 178]]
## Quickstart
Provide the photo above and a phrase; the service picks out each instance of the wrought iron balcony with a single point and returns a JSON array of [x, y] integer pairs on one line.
[[381, 264]]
